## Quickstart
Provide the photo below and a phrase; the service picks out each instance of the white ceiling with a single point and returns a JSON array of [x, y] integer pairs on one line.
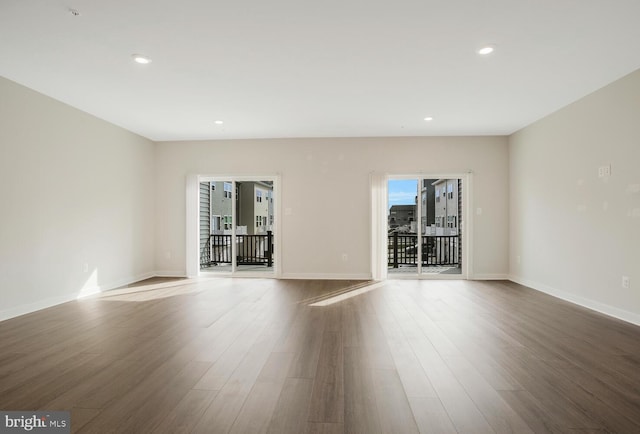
[[328, 68]]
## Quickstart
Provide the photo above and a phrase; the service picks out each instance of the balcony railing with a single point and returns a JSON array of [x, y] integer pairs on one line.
[[251, 250], [437, 250]]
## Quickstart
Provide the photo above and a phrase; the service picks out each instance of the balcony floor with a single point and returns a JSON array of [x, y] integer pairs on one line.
[[226, 268], [409, 269]]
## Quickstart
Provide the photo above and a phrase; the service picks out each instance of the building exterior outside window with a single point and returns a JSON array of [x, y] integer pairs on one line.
[[446, 209]]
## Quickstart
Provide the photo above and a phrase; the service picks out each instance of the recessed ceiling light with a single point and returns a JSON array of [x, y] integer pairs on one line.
[[428, 118], [486, 50], [139, 58], [218, 122], [74, 12]]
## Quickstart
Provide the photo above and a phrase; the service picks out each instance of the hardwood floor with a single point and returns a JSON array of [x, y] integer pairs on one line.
[[251, 355]]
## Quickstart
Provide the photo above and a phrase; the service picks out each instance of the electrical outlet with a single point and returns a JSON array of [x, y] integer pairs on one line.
[[604, 171], [345, 257], [626, 283]]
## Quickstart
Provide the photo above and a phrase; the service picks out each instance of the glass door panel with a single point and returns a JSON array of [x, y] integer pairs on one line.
[[441, 201], [255, 226], [216, 208], [402, 226]]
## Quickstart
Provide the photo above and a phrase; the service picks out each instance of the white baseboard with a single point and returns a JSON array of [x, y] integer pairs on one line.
[[128, 281], [606, 309], [326, 276], [24, 309], [489, 277], [170, 273]]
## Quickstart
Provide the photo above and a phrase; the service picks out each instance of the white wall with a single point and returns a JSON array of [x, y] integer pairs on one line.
[[325, 182], [73, 190], [576, 234]]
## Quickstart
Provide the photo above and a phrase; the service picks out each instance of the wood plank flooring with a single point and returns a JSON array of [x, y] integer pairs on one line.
[[266, 356]]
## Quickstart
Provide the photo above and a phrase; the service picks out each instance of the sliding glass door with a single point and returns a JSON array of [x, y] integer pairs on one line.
[[424, 226], [237, 225]]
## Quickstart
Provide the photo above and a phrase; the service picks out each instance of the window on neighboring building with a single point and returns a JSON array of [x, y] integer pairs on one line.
[[216, 221], [258, 195], [227, 190], [227, 222]]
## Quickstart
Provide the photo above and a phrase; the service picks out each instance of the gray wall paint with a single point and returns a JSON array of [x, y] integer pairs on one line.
[[577, 234], [325, 184], [74, 190], [77, 190]]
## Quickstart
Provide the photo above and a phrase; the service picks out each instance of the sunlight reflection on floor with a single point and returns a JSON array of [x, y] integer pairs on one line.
[[346, 293]]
